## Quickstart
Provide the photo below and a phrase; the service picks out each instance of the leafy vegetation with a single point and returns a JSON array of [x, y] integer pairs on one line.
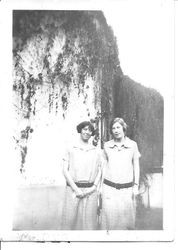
[[143, 110], [55, 52]]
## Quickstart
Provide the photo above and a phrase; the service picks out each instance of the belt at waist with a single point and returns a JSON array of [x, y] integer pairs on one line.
[[118, 185], [83, 184]]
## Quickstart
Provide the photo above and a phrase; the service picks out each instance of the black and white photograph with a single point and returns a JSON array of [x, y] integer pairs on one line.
[[87, 133]]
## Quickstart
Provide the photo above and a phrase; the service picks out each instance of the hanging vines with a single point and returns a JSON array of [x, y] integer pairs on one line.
[[55, 52]]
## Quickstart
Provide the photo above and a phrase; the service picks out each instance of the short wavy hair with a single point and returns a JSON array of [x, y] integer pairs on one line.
[[121, 122], [81, 125]]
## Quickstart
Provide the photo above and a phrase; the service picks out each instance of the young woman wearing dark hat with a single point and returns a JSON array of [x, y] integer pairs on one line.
[[82, 171]]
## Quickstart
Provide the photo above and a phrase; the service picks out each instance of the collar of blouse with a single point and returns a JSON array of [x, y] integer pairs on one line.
[[84, 147], [127, 143]]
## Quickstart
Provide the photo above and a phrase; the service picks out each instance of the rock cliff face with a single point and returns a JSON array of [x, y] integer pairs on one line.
[[65, 64]]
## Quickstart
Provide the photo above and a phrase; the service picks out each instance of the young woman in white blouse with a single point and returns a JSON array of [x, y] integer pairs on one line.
[[121, 179], [82, 171]]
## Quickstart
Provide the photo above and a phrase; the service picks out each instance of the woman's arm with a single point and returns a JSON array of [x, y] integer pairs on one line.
[[136, 167], [97, 181], [78, 192], [98, 178]]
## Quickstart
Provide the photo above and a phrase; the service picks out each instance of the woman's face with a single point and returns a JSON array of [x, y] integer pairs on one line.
[[85, 133], [117, 131]]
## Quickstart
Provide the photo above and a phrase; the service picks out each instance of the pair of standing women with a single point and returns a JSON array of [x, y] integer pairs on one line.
[[114, 173]]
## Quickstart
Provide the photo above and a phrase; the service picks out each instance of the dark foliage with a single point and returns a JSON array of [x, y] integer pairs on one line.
[[143, 110]]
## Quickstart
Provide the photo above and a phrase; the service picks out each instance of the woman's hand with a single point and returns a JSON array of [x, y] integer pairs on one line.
[[79, 194], [90, 190], [135, 190]]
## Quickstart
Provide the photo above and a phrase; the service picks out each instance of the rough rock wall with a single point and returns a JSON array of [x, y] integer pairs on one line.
[[64, 68]]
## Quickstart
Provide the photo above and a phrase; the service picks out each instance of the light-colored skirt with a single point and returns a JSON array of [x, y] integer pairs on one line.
[[79, 214], [118, 209]]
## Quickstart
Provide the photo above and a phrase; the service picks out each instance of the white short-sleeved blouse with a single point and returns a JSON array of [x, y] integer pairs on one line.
[[83, 162], [119, 167]]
